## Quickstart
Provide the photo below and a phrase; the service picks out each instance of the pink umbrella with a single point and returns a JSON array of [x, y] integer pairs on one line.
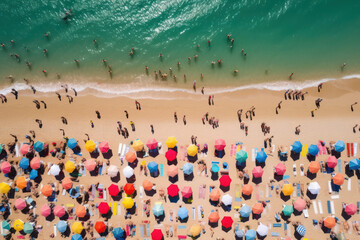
[[20, 203], [5, 167], [350, 209], [152, 143], [186, 192], [90, 165], [45, 210], [220, 144], [257, 172], [104, 147], [25, 148], [331, 162], [35, 163], [299, 204], [59, 211], [172, 171], [280, 169]]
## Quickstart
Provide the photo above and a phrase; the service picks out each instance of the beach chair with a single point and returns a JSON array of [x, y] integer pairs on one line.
[[315, 207], [277, 225], [306, 213], [355, 149], [275, 234]]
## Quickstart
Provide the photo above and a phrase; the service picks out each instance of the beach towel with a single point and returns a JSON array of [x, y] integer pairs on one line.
[[237, 193], [114, 210], [320, 207], [100, 169], [348, 151], [253, 156], [127, 230], [202, 192], [142, 231], [161, 170], [328, 206], [257, 193], [339, 165], [148, 229], [332, 207], [304, 150], [55, 232], [315, 207], [141, 191], [355, 149], [335, 196], [231, 150], [277, 225], [181, 226], [294, 170], [285, 177], [298, 192], [182, 237], [193, 213], [275, 234], [118, 209], [306, 213], [199, 212], [349, 185], [330, 187]]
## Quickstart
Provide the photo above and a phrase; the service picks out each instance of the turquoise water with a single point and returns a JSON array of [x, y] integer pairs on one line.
[[310, 38]]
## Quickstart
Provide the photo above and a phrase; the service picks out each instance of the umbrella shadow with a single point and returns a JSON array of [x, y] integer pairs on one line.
[[219, 154], [117, 197], [325, 229], [226, 229], [105, 233], [108, 154], [155, 174], [134, 164], [294, 156], [310, 157], [192, 159], [257, 180], [160, 218], [38, 179], [173, 162], [67, 232], [297, 213], [174, 199], [150, 193], [311, 175], [348, 171], [140, 154], [132, 179], [246, 197], [256, 216], [189, 177], [260, 164], [174, 179], [153, 153], [335, 154], [244, 219], [213, 224], [224, 189], [44, 152], [184, 220], [109, 214], [65, 217], [13, 173], [60, 176], [94, 154], [116, 179], [226, 208], [345, 215], [297, 235], [260, 237], [240, 165], [310, 195], [3, 154], [51, 217], [285, 218], [85, 218], [214, 203], [278, 177], [284, 198], [214, 176], [188, 200]]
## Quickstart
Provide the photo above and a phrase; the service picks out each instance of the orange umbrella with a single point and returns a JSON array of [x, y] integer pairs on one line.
[[100, 226], [314, 167], [147, 185], [66, 183], [47, 190], [257, 208], [329, 222], [247, 189], [214, 217], [130, 157], [35, 163], [80, 211], [129, 188], [215, 195], [21, 182], [338, 179]]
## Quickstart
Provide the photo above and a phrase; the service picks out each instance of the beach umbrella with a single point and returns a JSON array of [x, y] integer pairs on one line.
[[288, 210], [90, 146], [70, 166], [225, 180], [226, 200], [262, 230], [261, 157], [128, 202], [118, 233], [20, 203], [350, 209], [66, 183], [280, 169], [130, 157], [157, 234], [138, 145], [297, 147], [128, 172], [5, 167], [153, 167], [173, 190], [24, 163], [28, 228], [339, 146], [1, 148], [38, 146], [314, 188], [188, 168], [72, 143], [152, 144], [4, 188], [172, 170], [61, 226], [147, 185], [214, 217], [313, 150], [227, 222], [104, 147], [183, 213], [354, 164], [220, 144], [77, 227], [257, 172], [25, 149], [170, 155], [287, 189], [100, 226], [80, 211], [59, 211], [331, 162], [186, 192], [314, 167], [215, 168], [113, 190], [21, 182], [195, 230], [76, 237], [171, 142], [5, 225], [113, 171], [214, 195], [301, 230], [45, 210], [299, 204], [247, 189], [239, 233], [245, 211], [35, 163], [250, 234], [192, 150], [33, 174], [54, 170], [90, 165], [158, 209], [103, 208], [257, 208], [241, 156], [18, 225], [338, 179], [129, 188]]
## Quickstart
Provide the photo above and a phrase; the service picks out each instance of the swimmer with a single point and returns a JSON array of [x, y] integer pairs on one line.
[[189, 58], [94, 41], [28, 64], [220, 61], [58, 75], [202, 76], [236, 71], [209, 42], [290, 76], [160, 55], [2, 45]]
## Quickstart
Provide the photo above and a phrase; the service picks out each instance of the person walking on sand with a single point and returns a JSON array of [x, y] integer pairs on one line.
[[13, 91], [15, 138], [43, 102], [63, 131], [138, 106], [317, 102], [354, 128], [203, 120], [152, 129], [239, 113], [194, 85], [320, 87], [126, 114], [126, 132], [297, 130], [352, 106], [202, 90], [39, 122], [70, 98], [98, 114], [37, 104], [64, 120], [312, 112], [209, 100], [184, 120], [175, 117], [212, 99], [92, 124], [290, 76], [58, 95], [132, 124], [75, 92]]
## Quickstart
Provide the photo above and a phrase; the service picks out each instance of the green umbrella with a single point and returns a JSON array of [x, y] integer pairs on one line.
[[5, 225], [1, 148], [28, 228], [241, 156], [288, 210]]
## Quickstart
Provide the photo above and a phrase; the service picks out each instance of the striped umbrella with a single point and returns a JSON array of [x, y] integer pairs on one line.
[[301, 230]]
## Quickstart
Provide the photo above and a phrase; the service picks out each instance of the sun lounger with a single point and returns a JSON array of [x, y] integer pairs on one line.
[[315, 207], [304, 150], [141, 191], [277, 225], [352, 149], [182, 237], [335, 196], [105, 194], [330, 187], [253, 155], [55, 232], [355, 149], [142, 230], [275, 234], [301, 169], [320, 207], [349, 185], [306, 213]]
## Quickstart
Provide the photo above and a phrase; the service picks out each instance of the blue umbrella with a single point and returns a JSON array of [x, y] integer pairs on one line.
[[354, 164], [313, 150], [38, 146], [261, 156], [24, 163], [215, 168], [153, 167], [339, 146], [245, 211], [250, 234], [187, 168], [297, 147], [72, 143], [61, 226], [118, 233], [76, 237], [301, 230], [158, 210], [183, 213], [239, 233], [33, 174]]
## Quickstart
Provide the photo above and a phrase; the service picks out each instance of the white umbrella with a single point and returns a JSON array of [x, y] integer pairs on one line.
[[226, 200], [314, 188], [112, 171], [54, 170], [262, 230], [128, 172]]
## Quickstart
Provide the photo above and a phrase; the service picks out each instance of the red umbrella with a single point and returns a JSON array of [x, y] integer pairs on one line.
[[59, 211], [25, 148], [220, 144], [104, 147], [170, 155], [225, 180], [129, 188], [257, 172], [173, 190], [299, 204], [5, 167], [157, 234], [280, 169], [186, 192], [227, 222], [35, 163], [331, 162], [152, 143], [350, 209], [113, 190], [103, 208], [100, 226], [90, 165]]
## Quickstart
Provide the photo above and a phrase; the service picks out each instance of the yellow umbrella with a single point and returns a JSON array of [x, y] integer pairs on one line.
[[18, 225], [21, 182], [128, 202], [171, 142], [195, 230], [77, 227], [143, 163], [90, 145], [4, 188], [192, 150], [69, 166], [287, 189], [138, 145]]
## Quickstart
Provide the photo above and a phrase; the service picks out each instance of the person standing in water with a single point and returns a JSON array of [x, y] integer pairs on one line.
[[184, 120], [194, 85], [175, 117]]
